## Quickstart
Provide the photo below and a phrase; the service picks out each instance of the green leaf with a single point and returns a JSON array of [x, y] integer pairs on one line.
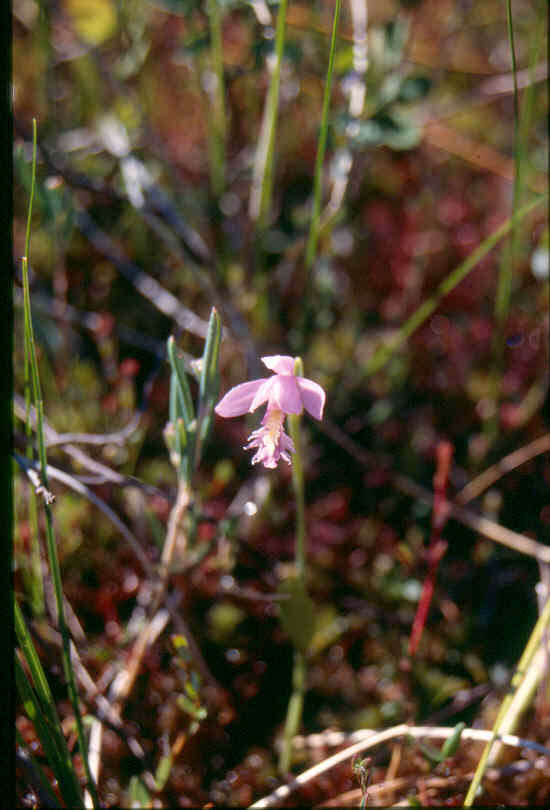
[[182, 414], [414, 88], [163, 771], [396, 35], [181, 645], [184, 394], [451, 744], [383, 129], [297, 613], [209, 384], [52, 740], [404, 134], [390, 89], [448, 748], [187, 706], [138, 793]]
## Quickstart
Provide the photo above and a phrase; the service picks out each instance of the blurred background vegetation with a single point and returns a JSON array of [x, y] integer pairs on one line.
[[142, 222]]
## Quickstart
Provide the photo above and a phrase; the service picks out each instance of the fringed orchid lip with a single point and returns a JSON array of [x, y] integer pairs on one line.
[[271, 441]]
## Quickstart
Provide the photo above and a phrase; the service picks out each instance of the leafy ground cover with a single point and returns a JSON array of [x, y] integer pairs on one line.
[[361, 185]]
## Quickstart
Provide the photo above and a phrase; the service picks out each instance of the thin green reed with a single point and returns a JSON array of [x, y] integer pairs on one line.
[[313, 236], [509, 253], [296, 703], [535, 640], [384, 352], [50, 539], [32, 569], [528, 101], [218, 124], [262, 181]]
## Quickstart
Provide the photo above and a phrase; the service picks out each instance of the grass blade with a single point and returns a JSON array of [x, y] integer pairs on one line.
[[33, 568], [528, 654], [311, 247], [508, 255], [262, 180], [385, 352], [60, 762], [182, 413], [217, 129], [33, 662], [43, 699], [209, 381], [178, 367]]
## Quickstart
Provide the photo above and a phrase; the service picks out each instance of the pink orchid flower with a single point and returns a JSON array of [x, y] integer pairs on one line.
[[284, 393]]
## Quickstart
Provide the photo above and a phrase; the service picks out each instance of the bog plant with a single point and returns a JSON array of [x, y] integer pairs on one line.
[[286, 394]]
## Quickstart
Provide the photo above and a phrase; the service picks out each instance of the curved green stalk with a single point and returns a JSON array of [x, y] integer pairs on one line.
[[50, 539], [36, 587]]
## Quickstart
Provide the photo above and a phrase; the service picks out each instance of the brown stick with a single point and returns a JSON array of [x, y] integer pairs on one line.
[[484, 480]]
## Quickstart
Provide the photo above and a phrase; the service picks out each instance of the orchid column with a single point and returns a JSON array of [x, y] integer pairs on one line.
[[286, 393]]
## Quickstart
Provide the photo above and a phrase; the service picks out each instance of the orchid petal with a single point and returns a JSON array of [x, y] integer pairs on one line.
[[313, 396], [279, 363], [263, 394], [284, 394], [239, 399]]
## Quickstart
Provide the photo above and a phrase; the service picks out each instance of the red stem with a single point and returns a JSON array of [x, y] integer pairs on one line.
[[438, 546]]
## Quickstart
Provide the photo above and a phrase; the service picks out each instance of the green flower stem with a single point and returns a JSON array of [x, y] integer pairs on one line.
[[296, 703], [294, 422], [521, 671], [50, 539], [294, 711], [311, 247]]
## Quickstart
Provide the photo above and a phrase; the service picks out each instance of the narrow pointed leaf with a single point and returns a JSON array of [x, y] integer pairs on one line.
[[59, 760], [46, 706], [178, 366], [138, 793], [210, 377]]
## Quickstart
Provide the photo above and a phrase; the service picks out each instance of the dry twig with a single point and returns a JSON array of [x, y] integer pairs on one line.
[[373, 739], [487, 478]]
